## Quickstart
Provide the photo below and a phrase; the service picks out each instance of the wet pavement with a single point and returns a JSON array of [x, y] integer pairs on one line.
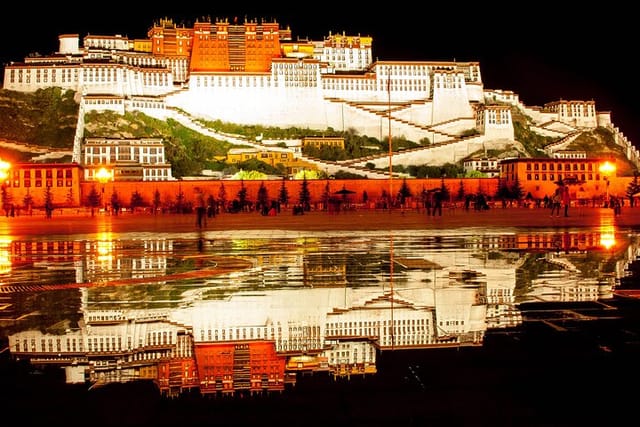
[[568, 363]]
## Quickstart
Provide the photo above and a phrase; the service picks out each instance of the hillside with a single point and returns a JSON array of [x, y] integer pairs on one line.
[[47, 119]]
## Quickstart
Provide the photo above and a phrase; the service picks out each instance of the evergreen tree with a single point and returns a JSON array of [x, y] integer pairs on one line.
[[48, 201], [444, 190], [305, 197], [404, 193], [632, 189], [461, 191], [517, 192], [326, 195], [27, 201], [156, 201], [137, 200], [222, 196], [242, 195], [94, 199], [180, 201], [263, 197], [284, 194], [6, 199]]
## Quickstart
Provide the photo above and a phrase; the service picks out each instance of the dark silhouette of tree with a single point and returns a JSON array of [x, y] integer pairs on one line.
[[461, 191], [517, 192], [365, 197], [27, 201], [404, 193], [385, 198], [242, 195], [6, 199], [222, 196], [444, 190], [326, 195], [157, 202], [137, 201], [48, 201], [263, 198], [632, 189], [284, 194], [180, 201], [503, 192], [116, 204], [304, 197], [94, 199]]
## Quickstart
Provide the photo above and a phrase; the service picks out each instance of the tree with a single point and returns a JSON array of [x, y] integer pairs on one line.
[[262, 203], [284, 194], [137, 201], [404, 193], [326, 195], [180, 201], [115, 202], [517, 191], [157, 202], [242, 195], [305, 197], [6, 199], [27, 201], [94, 199], [48, 201], [632, 189], [461, 191], [222, 196]]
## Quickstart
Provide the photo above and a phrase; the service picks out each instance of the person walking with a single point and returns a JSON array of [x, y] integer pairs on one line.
[[566, 199], [556, 201]]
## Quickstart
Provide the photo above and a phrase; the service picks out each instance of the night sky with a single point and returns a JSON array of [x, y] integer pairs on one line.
[[577, 53]]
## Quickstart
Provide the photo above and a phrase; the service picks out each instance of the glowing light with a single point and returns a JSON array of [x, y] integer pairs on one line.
[[4, 169], [607, 168], [103, 175]]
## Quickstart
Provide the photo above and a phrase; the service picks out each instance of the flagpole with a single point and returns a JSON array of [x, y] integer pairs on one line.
[[390, 145]]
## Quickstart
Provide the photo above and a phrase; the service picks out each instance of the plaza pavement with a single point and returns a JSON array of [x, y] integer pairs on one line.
[[81, 222]]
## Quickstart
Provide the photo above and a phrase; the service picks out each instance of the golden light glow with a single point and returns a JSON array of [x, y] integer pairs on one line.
[[607, 168], [4, 169], [103, 175]]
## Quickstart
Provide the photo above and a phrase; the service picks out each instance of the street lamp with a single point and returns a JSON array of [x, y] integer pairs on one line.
[[103, 175], [607, 169], [4, 179]]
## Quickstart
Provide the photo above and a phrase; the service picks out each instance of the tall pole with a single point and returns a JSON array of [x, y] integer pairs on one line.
[[390, 145]]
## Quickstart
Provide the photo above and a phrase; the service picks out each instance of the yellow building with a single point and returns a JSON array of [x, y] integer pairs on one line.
[[287, 159], [323, 141]]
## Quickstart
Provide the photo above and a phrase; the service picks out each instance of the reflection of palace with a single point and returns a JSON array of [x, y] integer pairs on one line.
[[317, 307]]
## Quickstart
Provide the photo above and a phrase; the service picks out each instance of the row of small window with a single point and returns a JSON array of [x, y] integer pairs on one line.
[[552, 177], [48, 183], [558, 167]]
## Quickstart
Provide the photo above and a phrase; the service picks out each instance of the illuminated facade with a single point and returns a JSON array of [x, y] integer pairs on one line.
[[540, 176], [253, 72]]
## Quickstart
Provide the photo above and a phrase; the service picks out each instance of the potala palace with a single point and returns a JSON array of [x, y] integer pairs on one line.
[[255, 73]]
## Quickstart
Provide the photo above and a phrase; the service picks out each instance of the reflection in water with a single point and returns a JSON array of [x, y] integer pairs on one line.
[[224, 316]]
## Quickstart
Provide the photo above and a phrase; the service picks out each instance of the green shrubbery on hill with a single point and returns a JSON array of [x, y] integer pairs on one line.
[[46, 117]]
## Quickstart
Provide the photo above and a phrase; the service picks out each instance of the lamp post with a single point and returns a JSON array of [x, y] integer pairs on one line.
[[607, 169], [103, 175], [4, 178]]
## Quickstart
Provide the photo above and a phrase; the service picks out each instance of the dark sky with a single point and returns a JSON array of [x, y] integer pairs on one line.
[[577, 53]]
